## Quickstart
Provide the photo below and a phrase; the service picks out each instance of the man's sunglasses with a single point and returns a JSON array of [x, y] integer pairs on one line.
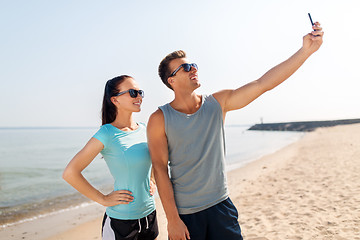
[[186, 66], [133, 93]]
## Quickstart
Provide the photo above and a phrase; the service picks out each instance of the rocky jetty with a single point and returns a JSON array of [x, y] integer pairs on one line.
[[301, 126]]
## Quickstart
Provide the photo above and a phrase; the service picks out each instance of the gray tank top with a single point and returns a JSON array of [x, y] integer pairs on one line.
[[196, 147]]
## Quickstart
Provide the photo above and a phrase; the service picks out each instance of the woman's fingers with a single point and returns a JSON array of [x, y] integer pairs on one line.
[[124, 191], [119, 197], [123, 196]]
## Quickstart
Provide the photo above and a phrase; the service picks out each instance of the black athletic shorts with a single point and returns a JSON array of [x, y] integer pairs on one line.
[[140, 229], [217, 222]]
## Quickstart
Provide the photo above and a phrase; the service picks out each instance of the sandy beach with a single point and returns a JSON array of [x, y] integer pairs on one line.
[[307, 190]]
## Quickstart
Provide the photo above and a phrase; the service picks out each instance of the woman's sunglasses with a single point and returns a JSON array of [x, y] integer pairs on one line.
[[186, 66], [133, 93]]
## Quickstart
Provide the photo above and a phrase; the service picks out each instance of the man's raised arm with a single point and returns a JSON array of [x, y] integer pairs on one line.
[[239, 98]]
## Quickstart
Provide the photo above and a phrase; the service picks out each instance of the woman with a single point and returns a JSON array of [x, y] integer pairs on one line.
[[130, 212]]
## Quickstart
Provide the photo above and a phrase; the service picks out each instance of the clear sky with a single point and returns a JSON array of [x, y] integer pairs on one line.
[[55, 56]]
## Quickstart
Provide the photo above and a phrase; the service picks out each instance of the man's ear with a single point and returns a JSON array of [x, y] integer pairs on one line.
[[170, 80]]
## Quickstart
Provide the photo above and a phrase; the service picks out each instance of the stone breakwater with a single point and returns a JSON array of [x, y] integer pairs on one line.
[[301, 126]]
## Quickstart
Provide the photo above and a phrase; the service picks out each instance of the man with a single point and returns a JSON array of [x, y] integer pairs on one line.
[[188, 133]]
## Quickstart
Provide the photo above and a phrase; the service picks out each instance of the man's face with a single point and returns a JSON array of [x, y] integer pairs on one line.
[[182, 79]]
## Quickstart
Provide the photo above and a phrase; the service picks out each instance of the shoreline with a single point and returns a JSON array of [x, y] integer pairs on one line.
[[309, 189], [48, 214], [47, 207]]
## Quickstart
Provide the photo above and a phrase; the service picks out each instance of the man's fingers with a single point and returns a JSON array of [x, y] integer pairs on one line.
[[317, 34], [317, 28], [187, 233], [317, 37]]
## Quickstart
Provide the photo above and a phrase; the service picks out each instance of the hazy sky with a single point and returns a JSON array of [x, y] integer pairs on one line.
[[56, 56]]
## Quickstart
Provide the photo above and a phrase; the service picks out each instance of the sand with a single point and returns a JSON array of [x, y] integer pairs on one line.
[[308, 190]]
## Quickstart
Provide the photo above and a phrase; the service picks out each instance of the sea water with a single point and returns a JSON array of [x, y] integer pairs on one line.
[[32, 161]]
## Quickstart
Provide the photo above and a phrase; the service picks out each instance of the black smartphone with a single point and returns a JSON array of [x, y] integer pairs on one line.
[[312, 23]]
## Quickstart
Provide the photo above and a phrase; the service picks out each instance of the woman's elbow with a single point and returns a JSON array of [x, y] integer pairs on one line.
[[67, 174]]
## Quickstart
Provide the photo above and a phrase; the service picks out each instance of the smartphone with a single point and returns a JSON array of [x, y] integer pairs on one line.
[[312, 23]]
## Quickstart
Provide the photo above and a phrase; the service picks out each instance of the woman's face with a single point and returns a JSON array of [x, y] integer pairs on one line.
[[125, 102]]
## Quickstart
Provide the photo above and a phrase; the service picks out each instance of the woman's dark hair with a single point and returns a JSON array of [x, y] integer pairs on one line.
[[109, 111]]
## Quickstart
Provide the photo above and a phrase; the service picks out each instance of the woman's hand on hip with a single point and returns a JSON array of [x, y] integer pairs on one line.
[[117, 197]]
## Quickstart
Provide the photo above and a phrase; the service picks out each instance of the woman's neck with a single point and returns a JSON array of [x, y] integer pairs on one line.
[[125, 122]]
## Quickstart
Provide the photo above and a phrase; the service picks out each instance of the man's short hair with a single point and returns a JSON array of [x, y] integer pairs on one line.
[[164, 71]]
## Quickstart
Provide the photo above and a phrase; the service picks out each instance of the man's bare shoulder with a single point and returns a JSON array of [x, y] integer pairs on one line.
[[156, 119], [222, 95], [157, 114]]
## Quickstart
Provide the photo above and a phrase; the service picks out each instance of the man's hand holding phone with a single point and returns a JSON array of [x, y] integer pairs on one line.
[[313, 40]]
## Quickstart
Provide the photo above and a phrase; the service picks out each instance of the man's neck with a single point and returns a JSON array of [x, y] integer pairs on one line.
[[187, 103]]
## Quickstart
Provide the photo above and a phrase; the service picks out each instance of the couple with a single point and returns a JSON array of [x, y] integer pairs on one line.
[[186, 134]]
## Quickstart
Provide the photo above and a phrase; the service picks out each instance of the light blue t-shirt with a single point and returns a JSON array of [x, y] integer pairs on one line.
[[127, 156]]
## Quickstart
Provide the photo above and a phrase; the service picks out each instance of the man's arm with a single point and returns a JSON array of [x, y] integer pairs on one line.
[[158, 148], [239, 98]]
